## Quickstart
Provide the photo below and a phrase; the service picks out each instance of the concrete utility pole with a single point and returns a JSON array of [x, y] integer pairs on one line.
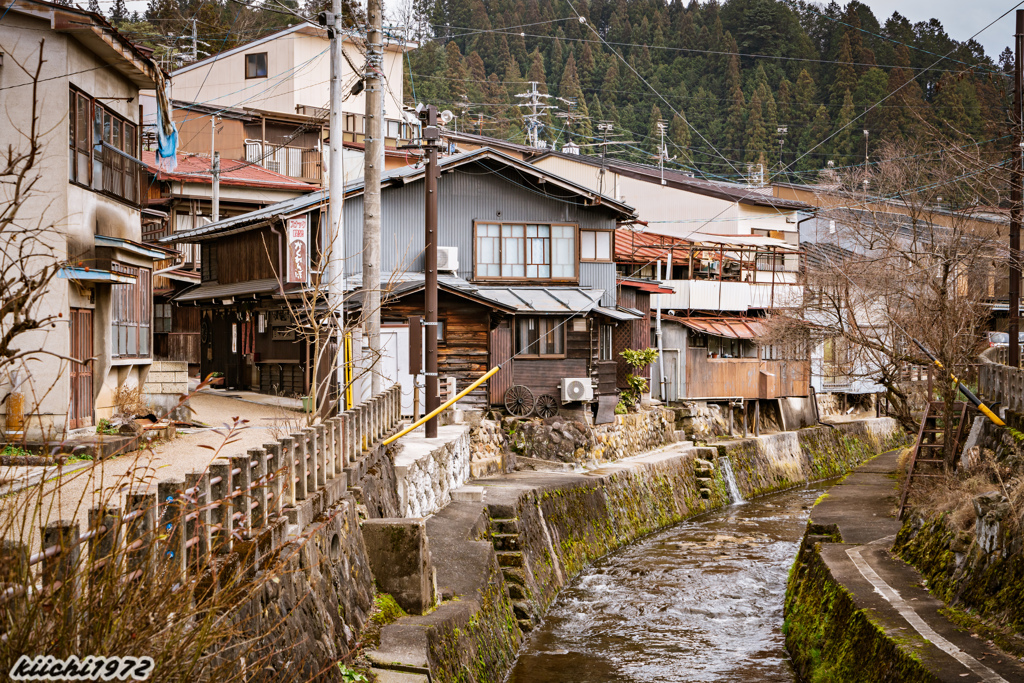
[[373, 160], [431, 140], [216, 187], [1016, 195], [335, 251]]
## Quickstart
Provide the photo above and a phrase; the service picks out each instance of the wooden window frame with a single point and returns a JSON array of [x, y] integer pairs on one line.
[[602, 329], [266, 65], [560, 328], [575, 278], [131, 308], [611, 246], [128, 139]]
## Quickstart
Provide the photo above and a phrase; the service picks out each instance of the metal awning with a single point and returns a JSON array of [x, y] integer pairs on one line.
[[729, 327], [148, 250], [544, 300], [215, 290], [616, 313], [94, 275], [652, 286]]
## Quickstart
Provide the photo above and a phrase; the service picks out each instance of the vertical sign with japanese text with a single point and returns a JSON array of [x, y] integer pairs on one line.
[[298, 251]]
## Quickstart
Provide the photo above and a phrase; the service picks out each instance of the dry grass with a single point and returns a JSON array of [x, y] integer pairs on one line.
[[954, 493]]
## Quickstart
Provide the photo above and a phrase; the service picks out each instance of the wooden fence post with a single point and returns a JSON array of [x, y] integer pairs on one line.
[[197, 519], [241, 483], [105, 522], [172, 520], [59, 569], [276, 475], [140, 533], [221, 519], [258, 489], [301, 477], [319, 436]]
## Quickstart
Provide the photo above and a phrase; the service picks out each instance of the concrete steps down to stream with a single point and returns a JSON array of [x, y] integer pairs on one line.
[[856, 613], [501, 560]]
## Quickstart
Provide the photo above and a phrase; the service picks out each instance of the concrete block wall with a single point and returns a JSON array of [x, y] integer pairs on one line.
[[166, 383]]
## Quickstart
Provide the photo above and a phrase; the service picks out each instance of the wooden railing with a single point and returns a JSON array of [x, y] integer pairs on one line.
[[238, 504], [122, 175], [999, 382]]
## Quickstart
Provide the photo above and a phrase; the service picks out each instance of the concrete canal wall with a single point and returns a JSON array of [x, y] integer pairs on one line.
[[501, 560]]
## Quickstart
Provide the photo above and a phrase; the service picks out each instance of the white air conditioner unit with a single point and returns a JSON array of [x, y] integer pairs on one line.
[[577, 389], [447, 259]]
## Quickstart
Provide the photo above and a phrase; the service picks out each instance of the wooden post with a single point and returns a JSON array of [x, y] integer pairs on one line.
[[299, 461], [104, 545], [757, 418], [197, 526], [309, 441], [172, 522], [241, 483], [745, 419], [59, 570], [258, 490], [139, 533], [276, 476], [220, 517]]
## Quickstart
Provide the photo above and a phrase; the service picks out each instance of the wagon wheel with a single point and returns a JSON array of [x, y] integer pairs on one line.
[[547, 406], [519, 400]]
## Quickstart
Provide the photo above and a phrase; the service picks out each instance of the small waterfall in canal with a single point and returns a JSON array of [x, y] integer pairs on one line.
[[730, 478]]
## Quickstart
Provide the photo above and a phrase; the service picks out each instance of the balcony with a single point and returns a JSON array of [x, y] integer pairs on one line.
[[121, 175], [302, 163], [714, 295]]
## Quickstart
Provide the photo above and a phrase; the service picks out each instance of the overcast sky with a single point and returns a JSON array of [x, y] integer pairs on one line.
[[960, 20]]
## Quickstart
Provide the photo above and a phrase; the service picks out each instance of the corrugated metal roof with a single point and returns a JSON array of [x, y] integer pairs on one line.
[[399, 176], [635, 246], [547, 300], [730, 327], [196, 168], [215, 290], [617, 313]]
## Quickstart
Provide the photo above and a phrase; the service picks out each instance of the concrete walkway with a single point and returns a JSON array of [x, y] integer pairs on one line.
[[862, 508], [70, 495]]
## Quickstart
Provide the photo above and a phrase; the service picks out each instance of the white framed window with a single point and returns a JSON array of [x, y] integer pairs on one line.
[[540, 336], [595, 245], [535, 251]]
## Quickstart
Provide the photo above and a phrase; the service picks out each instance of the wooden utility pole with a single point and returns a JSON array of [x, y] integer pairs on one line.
[[373, 160], [1016, 196], [431, 140]]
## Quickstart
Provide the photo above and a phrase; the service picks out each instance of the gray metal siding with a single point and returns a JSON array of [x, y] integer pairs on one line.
[[468, 194]]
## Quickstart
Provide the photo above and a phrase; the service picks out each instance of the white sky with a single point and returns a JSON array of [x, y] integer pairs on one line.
[[960, 21]]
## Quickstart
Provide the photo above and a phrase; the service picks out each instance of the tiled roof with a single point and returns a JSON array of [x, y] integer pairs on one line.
[[195, 168]]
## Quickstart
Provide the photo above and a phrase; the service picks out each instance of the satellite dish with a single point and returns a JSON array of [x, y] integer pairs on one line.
[[447, 116]]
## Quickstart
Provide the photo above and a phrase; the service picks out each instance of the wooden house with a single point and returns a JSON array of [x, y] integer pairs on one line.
[[708, 325], [527, 281]]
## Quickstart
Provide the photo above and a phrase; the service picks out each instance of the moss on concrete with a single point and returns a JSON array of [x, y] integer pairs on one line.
[[830, 639]]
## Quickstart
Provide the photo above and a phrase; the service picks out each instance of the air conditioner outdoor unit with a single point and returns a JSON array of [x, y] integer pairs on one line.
[[448, 258], [577, 389]]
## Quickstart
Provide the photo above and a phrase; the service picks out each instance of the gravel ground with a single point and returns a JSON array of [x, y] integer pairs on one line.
[[70, 496]]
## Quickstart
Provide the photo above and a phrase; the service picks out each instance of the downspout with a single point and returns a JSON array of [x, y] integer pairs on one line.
[[661, 355], [280, 253]]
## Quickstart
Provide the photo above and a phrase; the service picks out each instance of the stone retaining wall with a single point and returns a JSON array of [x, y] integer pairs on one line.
[[428, 470], [546, 527], [570, 438], [166, 384]]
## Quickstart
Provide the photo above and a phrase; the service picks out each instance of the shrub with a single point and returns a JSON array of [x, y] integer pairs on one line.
[[636, 359]]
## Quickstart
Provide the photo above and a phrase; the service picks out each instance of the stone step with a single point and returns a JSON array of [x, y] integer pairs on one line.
[[505, 526], [391, 676], [510, 559], [505, 541], [515, 591], [468, 494], [705, 493], [485, 467], [525, 625], [514, 576], [523, 609]]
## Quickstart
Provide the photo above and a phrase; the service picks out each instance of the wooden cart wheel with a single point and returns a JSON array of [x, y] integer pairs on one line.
[[547, 405], [519, 400]]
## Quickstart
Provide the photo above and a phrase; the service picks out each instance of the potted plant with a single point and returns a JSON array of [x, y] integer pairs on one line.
[[308, 404], [215, 379]]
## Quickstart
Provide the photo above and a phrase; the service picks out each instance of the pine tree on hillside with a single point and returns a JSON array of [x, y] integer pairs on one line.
[[756, 147], [844, 144], [679, 135], [119, 12], [845, 79], [455, 77], [94, 7]]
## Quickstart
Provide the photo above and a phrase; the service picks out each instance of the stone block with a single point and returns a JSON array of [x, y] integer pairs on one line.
[[400, 561], [468, 494]]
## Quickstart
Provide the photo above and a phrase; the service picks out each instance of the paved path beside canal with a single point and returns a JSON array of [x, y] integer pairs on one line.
[[863, 509]]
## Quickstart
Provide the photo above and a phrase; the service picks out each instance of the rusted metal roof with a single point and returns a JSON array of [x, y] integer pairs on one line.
[[731, 327], [652, 286]]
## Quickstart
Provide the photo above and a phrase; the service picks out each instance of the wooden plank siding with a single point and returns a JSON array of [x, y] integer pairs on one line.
[[246, 256], [741, 377], [501, 351]]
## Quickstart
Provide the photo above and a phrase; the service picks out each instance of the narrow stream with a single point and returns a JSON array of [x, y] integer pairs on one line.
[[701, 601]]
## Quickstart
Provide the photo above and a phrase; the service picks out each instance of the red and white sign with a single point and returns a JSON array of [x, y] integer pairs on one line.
[[298, 250]]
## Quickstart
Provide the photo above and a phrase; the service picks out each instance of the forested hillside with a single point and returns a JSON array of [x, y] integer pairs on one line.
[[753, 81]]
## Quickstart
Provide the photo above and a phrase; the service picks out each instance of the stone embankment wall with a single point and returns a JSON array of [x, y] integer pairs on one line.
[[546, 527], [569, 438]]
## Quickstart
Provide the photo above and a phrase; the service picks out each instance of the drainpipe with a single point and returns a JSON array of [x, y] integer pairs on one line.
[[661, 356], [280, 253]]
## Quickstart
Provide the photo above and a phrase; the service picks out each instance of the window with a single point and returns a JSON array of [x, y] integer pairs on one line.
[[161, 317], [540, 336], [605, 345], [102, 149], [394, 129], [256, 65], [534, 251], [130, 313], [595, 245], [79, 138], [208, 260]]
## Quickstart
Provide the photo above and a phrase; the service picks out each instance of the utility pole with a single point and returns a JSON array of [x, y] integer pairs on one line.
[[431, 140], [662, 151], [1016, 194], [373, 160], [215, 214], [215, 169], [335, 252]]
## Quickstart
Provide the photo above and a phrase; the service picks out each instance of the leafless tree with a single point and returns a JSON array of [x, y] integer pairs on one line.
[[910, 262]]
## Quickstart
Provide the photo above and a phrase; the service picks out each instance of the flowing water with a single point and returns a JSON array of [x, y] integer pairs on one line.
[[701, 601], [730, 479]]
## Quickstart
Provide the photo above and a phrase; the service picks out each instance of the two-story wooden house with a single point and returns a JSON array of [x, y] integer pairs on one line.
[[527, 281], [86, 201]]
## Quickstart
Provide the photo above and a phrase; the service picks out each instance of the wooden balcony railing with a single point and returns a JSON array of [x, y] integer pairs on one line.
[[122, 175]]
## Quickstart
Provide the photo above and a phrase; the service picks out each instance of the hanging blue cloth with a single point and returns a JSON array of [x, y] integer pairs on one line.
[[166, 133]]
